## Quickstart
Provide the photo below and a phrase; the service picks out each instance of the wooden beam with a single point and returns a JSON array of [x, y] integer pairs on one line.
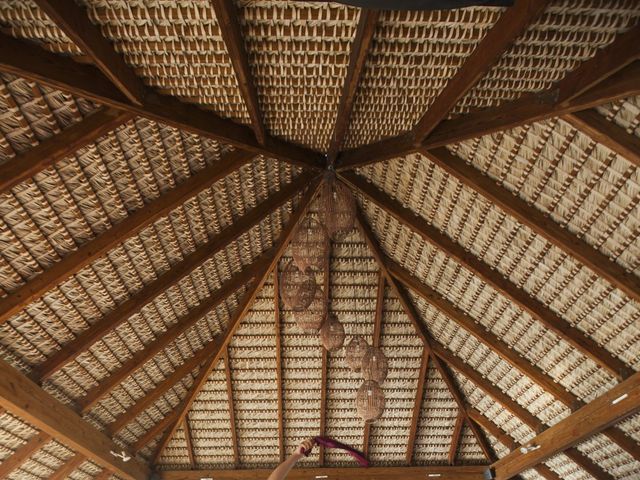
[[455, 438], [73, 20], [223, 339], [100, 245], [620, 402], [68, 467], [279, 376], [607, 133], [537, 309], [32, 62], [227, 17], [170, 278], [537, 221], [417, 405], [377, 336], [232, 410], [325, 356], [189, 441], [357, 59], [25, 399], [104, 475], [26, 165], [23, 453], [513, 23], [475, 472]]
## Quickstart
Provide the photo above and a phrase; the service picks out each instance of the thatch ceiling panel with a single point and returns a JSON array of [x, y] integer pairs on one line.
[[625, 113]]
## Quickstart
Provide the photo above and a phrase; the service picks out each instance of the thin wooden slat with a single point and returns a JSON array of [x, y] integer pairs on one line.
[[513, 23], [618, 403], [23, 453], [357, 59], [232, 409], [25, 399], [73, 20], [26, 165], [227, 17], [68, 467], [537, 221], [417, 405], [607, 133], [325, 356], [455, 438], [32, 62], [279, 377], [534, 307], [188, 439], [170, 278]]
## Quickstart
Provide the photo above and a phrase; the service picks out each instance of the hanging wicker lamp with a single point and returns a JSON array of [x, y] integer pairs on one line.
[[297, 287], [355, 351], [332, 334], [337, 208], [310, 320], [309, 246], [370, 401], [374, 365]]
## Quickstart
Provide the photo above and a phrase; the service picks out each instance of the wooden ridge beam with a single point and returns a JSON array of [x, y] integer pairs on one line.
[[279, 376], [26, 400], [417, 405], [68, 467], [227, 17], [325, 355], [357, 59], [100, 245], [511, 24], [222, 340], [56, 71], [23, 453], [537, 221], [455, 438], [618, 403], [537, 309], [232, 410], [74, 21], [26, 165], [607, 133], [170, 278]]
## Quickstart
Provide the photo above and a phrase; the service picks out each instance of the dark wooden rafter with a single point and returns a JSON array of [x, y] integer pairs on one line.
[[26, 400], [222, 340], [417, 405], [513, 23], [100, 245], [357, 59], [232, 410], [537, 309], [377, 337], [25, 165], [68, 467], [227, 17], [74, 21], [188, 438], [607, 133], [23, 453], [56, 71], [172, 277], [455, 438], [325, 356], [279, 376]]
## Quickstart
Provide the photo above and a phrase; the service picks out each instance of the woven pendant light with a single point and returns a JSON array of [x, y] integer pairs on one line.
[[310, 319], [309, 246], [337, 208], [332, 334], [297, 287], [355, 351], [370, 401], [374, 365]]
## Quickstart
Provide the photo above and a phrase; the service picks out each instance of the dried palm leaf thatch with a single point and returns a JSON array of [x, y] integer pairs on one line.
[[355, 351], [370, 401], [374, 365], [311, 319], [337, 208], [297, 287], [309, 246], [332, 334]]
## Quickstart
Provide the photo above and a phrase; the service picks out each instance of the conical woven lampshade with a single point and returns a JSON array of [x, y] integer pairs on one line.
[[337, 208], [374, 365], [332, 334], [309, 246], [355, 350], [297, 287], [370, 401], [310, 319]]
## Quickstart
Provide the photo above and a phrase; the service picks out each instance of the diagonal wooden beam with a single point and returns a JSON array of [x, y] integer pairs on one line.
[[170, 278], [377, 335], [325, 355], [74, 21], [417, 405], [620, 402], [26, 165], [189, 441], [537, 221], [607, 133], [279, 376], [455, 438], [100, 245], [32, 62], [359, 50], [232, 410], [25, 399], [227, 17], [537, 309], [223, 339], [513, 23], [68, 467], [23, 453]]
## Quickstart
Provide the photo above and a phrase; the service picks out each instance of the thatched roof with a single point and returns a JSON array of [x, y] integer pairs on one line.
[[497, 265]]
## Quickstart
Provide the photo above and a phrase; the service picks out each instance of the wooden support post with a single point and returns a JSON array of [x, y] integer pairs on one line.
[[417, 405], [189, 440], [455, 438], [279, 377], [325, 356], [232, 409]]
